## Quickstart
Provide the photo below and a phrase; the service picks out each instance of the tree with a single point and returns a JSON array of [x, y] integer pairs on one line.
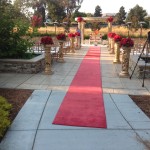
[[70, 6], [135, 16], [23, 6], [78, 14], [55, 11], [98, 11], [121, 16]]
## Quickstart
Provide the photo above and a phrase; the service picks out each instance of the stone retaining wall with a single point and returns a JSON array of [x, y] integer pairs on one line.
[[32, 66]]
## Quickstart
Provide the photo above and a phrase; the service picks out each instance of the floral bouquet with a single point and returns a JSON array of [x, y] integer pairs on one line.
[[46, 40], [71, 35], [111, 34], [77, 34], [127, 42], [110, 19], [79, 19], [61, 37], [117, 38]]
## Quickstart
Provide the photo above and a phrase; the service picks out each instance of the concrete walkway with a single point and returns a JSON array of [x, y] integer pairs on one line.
[[128, 127]]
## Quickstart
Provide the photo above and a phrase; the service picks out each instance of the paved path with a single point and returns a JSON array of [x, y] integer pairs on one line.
[[128, 127]]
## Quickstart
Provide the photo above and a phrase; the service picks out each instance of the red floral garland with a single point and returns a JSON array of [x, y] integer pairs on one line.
[[127, 42], [117, 38], [77, 34], [61, 36], [79, 19], [111, 34], [110, 19], [70, 35], [46, 40]]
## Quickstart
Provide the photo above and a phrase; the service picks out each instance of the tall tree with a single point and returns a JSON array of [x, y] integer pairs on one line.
[[23, 6], [121, 16], [70, 6], [55, 11], [98, 11], [39, 9], [136, 15]]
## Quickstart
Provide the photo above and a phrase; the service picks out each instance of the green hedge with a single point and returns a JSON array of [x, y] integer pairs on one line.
[[4, 115]]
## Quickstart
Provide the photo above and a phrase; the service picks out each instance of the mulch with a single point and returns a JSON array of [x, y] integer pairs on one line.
[[142, 101], [16, 97]]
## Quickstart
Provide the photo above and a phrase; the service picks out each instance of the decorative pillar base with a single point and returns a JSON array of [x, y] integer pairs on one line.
[[124, 74], [112, 51], [116, 62], [48, 71], [60, 60]]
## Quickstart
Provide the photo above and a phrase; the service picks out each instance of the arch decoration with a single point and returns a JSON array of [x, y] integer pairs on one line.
[[82, 20]]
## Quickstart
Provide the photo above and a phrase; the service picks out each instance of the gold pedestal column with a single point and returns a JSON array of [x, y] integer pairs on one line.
[[48, 59], [72, 40], [112, 46], [109, 27], [125, 62], [60, 54], [109, 44], [78, 43], [117, 53], [109, 39]]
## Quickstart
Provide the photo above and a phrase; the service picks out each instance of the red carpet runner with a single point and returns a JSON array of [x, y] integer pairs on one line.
[[83, 104]]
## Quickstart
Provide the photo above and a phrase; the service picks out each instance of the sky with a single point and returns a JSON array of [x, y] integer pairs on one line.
[[113, 6]]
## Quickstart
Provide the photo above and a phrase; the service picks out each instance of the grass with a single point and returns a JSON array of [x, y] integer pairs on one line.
[[121, 30]]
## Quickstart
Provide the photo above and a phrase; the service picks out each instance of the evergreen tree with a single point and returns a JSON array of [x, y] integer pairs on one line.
[[135, 16], [98, 11], [121, 16]]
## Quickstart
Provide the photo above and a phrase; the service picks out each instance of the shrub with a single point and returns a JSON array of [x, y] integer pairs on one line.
[[12, 32], [86, 36], [104, 37], [4, 115]]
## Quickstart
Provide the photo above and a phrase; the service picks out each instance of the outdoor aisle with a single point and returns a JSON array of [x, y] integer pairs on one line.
[[83, 104]]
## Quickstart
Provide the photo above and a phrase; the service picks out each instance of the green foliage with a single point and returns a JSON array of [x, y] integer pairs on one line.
[[78, 14], [86, 36], [13, 44], [135, 16], [4, 115], [121, 16], [55, 11], [104, 37], [98, 11]]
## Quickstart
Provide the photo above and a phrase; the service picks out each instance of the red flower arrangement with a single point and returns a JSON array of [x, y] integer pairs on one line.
[[77, 34], [127, 42], [79, 19], [117, 38], [46, 40], [61, 36], [111, 34], [70, 35], [110, 19]]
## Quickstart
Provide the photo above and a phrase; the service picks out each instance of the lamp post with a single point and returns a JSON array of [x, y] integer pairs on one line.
[[141, 28], [48, 21], [128, 26], [65, 25], [55, 25]]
